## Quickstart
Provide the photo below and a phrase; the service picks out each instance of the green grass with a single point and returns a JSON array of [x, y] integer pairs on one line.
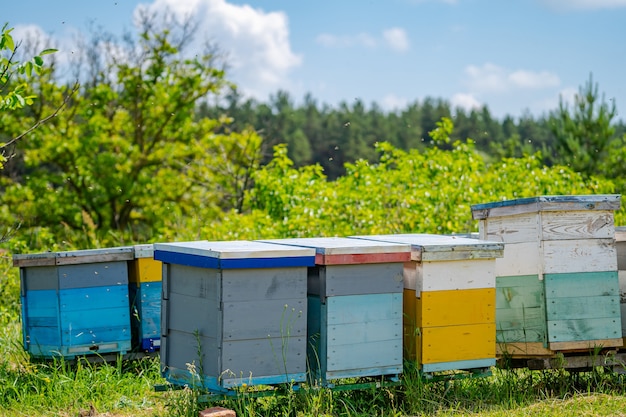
[[126, 388]]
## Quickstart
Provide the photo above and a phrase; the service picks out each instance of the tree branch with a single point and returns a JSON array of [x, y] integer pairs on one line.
[[45, 119]]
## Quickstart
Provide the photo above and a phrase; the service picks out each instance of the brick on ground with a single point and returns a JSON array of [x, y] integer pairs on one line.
[[217, 412]]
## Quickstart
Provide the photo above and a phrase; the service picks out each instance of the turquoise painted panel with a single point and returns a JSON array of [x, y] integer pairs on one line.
[[365, 355], [518, 281], [364, 308], [89, 337], [40, 318], [523, 335], [43, 336], [146, 314], [520, 318], [582, 284], [584, 329], [363, 372], [574, 308], [79, 299], [89, 319], [363, 333], [458, 365]]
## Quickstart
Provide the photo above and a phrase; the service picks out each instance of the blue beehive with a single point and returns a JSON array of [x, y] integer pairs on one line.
[[355, 307], [233, 313], [145, 285], [75, 303]]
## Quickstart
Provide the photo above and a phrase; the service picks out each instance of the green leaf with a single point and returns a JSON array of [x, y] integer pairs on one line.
[[38, 60], [48, 51]]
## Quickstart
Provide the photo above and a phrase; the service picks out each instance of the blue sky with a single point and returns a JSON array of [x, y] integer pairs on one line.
[[514, 56]]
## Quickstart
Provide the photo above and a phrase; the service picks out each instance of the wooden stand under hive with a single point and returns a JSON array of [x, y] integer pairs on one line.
[[557, 284], [355, 308], [75, 303], [233, 313], [449, 301]]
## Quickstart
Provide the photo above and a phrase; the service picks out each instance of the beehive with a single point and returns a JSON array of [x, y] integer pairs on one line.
[[557, 283], [233, 313], [354, 307], [620, 247], [75, 303], [145, 285], [449, 301]]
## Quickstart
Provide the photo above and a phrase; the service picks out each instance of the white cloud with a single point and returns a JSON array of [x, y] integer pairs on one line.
[[397, 39], [392, 102], [257, 42], [493, 78], [361, 39], [584, 4], [394, 38], [465, 101]]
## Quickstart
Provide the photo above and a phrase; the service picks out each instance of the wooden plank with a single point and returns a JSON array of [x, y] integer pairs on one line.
[[351, 259], [473, 306], [458, 365], [342, 280], [42, 336], [568, 225], [182, 349], [577, 308], [520, 297], [410, 318], [191, 281], [263, 357], [267, 283], [363, 308], [583, 284], [263, 318], [360, 335], [584, 255], [34, 259], [586, 344], [442, 247], [364, 372], [237, 249], [200, 261], [519, 259], [79, 299], [620, 249], [39, 278], [569, 330], [546, 203], [532, 333], [101, 274], [458, 343], [519, 281], [370, 355], [344, 246], [145, 270], [521, 318], [584, 361], [91, 320], [512, 229], [84, 337], [144, 251], [522, 349], [190, 314], [455, 275]]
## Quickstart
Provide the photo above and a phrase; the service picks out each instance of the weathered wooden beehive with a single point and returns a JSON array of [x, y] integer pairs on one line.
[[233, 313], [620, 247], [557, 284], [75, 303], [354, 307], [449, 301], [145, 285]]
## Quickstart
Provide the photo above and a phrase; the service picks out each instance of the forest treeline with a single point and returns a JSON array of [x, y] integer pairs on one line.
[[155, 144]]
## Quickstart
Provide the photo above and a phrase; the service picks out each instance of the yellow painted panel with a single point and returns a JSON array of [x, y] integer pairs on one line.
[[458, 343], [458, 307], [411, 330], [145, 270]]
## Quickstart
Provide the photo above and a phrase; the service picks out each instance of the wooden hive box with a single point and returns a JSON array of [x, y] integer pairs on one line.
[[145, 285], [233, 313], [75, 303], [557, 283], [620, 248], [354, 307], [449, 301]]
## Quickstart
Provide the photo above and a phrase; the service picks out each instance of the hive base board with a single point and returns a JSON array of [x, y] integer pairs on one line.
[[586, 344], [576, 362], [458, 365], [522, 350]]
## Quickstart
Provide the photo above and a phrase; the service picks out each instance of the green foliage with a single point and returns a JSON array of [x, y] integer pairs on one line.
[[584, 133], [128, 155]]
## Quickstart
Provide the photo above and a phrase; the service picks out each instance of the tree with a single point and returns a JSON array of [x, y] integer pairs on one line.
[[128, 157], [14, 93], [583, 133]]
